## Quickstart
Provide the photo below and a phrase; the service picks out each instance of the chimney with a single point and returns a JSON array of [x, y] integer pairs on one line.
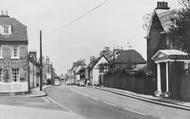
[[162, 5], [92, 58], [4, 13]]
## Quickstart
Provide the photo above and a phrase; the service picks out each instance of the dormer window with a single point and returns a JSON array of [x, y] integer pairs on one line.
[[5, 29]]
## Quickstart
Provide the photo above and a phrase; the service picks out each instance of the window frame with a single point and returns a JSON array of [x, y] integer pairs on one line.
[[17, 75], [6, 30], [1, 52], [13, 53], [1, 75]]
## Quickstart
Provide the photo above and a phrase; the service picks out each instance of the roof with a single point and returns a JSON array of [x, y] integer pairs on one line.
[[95, 61], [129, 56], [171, 54], [165, 17], [19, 31]]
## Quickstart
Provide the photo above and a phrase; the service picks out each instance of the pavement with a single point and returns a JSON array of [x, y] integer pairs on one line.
[[35, 105], [18, 112], [149, 98], [35, 92]]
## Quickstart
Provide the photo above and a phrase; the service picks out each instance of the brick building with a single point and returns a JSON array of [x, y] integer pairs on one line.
[[168, 65], [13, 55]]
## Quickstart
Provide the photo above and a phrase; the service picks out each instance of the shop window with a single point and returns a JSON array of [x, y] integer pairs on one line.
[[15, 75]]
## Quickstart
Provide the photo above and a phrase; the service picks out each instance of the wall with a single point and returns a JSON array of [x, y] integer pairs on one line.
[[123, 80], [95, 77], [155, 42], [94, 73], [185, 87], [34, 75], [6, 63]]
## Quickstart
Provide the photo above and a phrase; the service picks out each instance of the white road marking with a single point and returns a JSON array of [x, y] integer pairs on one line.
[[52, 100], [46, 99], [84, 94], [131, 110], [109, 103]]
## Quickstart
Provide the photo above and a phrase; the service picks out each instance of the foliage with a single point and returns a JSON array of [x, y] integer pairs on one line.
[[180, 31]]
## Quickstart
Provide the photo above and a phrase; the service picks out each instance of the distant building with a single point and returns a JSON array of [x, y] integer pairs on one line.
[[97, 68], [126, 60], [48, 71], [106, 52], [13, 55], [73, 73], [34, 71]]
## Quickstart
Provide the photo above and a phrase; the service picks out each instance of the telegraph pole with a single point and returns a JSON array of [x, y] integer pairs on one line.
[[41, 65], [52, 75]]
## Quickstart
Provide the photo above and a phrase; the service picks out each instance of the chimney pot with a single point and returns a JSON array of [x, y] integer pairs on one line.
[[162, 5]]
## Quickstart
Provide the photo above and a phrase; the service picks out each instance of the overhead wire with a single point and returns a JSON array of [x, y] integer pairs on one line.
[[78, 18]]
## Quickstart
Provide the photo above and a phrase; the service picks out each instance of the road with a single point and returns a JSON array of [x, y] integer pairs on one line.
[[93, 103], [90, 107], [73, 102]]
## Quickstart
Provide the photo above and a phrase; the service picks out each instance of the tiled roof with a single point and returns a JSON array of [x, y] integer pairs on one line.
[[129, 56], [19, 31], [165, 17]]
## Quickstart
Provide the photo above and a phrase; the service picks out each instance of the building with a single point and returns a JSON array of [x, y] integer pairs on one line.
[[106, 52], [48, 71], [166, 63], [73, 73], [13, 55], [97, 68], [126, 71], [34, 70], [126, 60]]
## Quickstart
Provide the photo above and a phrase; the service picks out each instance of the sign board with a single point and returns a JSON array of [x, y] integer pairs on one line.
[[13, 87]]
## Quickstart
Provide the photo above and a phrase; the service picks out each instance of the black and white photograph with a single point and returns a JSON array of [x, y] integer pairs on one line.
[[95, 59]]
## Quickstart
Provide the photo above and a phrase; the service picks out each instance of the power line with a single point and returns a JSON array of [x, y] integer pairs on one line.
[[81, 16]]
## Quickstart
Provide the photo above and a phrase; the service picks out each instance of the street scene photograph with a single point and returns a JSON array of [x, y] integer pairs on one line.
[[95, 59]]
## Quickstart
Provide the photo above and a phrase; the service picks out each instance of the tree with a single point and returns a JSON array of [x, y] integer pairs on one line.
[[180, 30]]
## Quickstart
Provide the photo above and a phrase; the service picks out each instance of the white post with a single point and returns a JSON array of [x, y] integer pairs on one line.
[[158, 79], [167, 78]]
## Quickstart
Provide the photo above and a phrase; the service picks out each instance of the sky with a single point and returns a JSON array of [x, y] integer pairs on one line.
[[113, 24]]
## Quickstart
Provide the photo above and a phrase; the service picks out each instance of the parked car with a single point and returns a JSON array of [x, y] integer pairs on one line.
[[57, 82], [81, 83], [67, 83]]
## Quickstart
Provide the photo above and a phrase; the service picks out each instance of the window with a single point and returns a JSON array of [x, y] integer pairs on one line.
[[1, 52], [1, 75], [15, 52], [15, 75], [5, 29]]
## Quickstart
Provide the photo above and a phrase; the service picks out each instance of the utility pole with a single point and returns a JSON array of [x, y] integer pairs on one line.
[[52, 75], [29, 73], [41, 65]]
